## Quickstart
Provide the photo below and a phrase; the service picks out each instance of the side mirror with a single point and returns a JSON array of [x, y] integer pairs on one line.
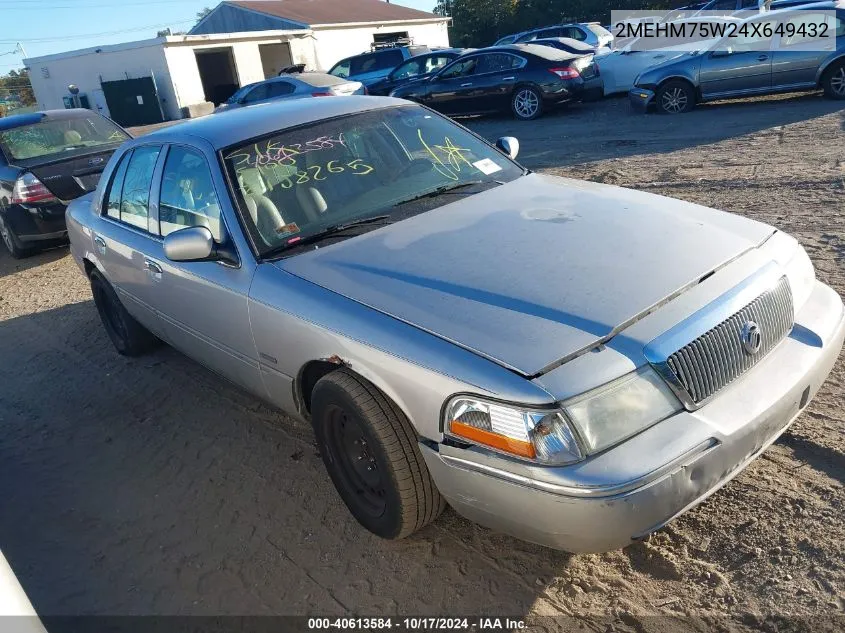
[[722, 52], [508, 145], [196, 244]]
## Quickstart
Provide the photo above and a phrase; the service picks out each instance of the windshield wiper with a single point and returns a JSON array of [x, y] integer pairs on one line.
[[332, 229]]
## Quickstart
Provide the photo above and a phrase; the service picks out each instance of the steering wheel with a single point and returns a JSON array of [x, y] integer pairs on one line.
[[416, 167]]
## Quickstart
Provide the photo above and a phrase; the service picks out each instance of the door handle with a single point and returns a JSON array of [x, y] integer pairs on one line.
[[466, 85], [762, 58], [153, 269], [508, 78], [100, 243]]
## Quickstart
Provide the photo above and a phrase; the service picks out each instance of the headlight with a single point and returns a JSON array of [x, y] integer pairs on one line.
[[622, 408], [543, 436]]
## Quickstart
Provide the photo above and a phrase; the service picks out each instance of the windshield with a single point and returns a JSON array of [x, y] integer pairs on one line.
[[299, 182], [49, 138]]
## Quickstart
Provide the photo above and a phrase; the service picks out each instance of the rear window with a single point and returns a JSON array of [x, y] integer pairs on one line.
[[598, 30], [53, 138]]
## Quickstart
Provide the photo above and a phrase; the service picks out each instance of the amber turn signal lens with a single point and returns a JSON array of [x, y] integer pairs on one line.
[[493, 440]]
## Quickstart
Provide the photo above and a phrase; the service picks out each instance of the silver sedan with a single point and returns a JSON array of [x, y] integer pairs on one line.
[[572, 363], [292, 86]]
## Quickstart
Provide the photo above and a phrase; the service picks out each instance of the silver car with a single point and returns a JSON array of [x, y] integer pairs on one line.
[[292, 86], [573, 363]]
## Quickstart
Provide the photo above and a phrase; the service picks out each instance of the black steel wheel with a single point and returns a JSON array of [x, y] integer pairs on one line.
[[129, 337], [370, 451]]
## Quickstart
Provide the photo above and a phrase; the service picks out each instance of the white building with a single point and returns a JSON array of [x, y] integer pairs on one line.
[[236, 44]]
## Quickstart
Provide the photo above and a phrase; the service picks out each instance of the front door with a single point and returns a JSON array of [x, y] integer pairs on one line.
[[739, 65], [494, 81], [452, 90], [203, 304]]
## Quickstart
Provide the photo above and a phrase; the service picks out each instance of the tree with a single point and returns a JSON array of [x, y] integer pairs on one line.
[[16, 86], [201, 14], [482, 22]]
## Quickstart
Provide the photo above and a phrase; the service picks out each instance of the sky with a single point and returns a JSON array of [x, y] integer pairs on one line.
[[52, 26]]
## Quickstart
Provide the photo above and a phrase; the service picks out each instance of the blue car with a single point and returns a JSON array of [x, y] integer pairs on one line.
[[749, 66], [373, 66]]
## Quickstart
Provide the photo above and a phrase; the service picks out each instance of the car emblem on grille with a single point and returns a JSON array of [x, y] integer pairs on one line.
[[751, 337]]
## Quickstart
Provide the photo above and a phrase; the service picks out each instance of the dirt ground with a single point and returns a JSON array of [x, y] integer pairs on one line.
[[152, 487]]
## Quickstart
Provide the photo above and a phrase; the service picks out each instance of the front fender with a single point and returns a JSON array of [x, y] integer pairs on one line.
[[295, 322]]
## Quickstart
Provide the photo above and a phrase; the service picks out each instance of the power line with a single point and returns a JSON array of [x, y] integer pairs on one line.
[[85, 6], [102, 34]]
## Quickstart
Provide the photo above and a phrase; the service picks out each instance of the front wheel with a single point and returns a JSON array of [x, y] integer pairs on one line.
[[527, 103], [675, 97], [370, 451], [833, 81]]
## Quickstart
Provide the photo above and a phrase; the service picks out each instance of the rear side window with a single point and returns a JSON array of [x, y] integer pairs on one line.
[[256, 94], [498, 62], [389, 59], [135, 191], [116, 188], [363, 64], [279, 89]]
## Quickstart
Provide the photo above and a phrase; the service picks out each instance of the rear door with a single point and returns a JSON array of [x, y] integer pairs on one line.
[[797, 57], [124, 237], [739, 65]]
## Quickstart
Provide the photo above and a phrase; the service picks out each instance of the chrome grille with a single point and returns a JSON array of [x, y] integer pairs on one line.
[[717, 357]]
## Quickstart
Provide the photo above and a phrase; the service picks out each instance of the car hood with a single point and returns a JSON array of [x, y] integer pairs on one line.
[[532, 271]]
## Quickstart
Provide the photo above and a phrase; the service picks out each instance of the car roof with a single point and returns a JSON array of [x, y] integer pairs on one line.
[[17, 120], [440, 51], [240, 124], [566, 40], [546, 52], [314, 79]]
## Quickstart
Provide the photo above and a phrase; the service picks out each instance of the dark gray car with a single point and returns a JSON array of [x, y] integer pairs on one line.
[[750, 65]]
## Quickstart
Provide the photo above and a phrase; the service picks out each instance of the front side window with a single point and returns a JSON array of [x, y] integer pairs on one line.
[[461, 68], [390, 162], [59, 137], [408, 69], [135, 198], [187, 193], [433, 63]]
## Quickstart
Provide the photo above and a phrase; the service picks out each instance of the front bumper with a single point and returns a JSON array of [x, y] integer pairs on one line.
[[641, 98], [713, 445]]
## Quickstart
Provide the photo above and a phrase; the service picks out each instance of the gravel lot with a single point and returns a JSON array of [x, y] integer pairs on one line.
[[152, 487]]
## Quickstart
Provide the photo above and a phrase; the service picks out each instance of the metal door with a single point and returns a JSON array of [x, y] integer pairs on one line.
[[133, 101]]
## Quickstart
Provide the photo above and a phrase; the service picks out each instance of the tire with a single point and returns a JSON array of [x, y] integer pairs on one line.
[[129, 337], [526, 103], [11, 241], [833, 81], [370, 450], [675, 97]]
